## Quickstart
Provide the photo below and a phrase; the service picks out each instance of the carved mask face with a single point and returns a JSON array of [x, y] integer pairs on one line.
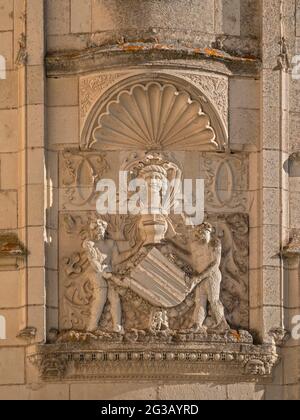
[[156, 182]]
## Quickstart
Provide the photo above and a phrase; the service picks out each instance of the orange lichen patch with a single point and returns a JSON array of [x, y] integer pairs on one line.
[[133, 48], [163, 47], [236, 334], [215, 53], [182, 51]]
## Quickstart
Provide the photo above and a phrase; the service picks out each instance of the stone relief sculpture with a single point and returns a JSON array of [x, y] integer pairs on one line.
[[81, 172], [152, 261], [231, 231], [207, 283], [148, 294], [209, 288], [99, 253]]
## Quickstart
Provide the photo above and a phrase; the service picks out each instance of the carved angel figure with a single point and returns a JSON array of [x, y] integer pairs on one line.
[[99, 252], [206, 252]]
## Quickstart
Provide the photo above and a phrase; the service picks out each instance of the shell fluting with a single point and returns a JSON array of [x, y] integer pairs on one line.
[[154, 116]]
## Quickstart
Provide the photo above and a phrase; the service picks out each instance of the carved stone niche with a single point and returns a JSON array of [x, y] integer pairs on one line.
[[149, 294], [154, 112]]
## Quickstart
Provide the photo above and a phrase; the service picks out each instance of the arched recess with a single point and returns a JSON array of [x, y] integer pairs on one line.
[[154, 111]]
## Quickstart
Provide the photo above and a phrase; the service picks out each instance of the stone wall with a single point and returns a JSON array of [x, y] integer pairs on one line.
[[64, 58]]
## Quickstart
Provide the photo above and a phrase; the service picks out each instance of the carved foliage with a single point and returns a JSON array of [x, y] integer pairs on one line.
[[215, 88], [79, 175], [91, 88], [234, 231]]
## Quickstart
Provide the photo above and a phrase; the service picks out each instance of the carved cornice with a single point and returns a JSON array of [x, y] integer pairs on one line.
[[202, 362], [133, 54]]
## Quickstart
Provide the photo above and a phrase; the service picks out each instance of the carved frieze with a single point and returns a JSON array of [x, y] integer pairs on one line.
[[225, 178], [85, 359]]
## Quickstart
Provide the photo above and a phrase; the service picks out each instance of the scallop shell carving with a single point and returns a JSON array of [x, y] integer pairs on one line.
[[154, 116]]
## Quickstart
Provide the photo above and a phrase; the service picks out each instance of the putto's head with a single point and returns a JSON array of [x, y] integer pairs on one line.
[[98, 229], [204, 232]]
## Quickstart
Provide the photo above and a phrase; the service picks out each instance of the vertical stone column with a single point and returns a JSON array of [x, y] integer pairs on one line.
[[270, 233], [291, 253], [275, 288], [11, 348], [292, 312], [29, 56]]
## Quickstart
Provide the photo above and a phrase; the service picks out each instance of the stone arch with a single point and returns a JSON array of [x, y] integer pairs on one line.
[[154, 111]]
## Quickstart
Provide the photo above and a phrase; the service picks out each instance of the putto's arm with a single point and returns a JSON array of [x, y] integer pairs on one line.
[[121, 257], [92, 255]]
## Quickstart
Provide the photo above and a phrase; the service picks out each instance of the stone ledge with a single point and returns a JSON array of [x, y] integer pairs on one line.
[[11, 251], [201, 362], [133, 54]]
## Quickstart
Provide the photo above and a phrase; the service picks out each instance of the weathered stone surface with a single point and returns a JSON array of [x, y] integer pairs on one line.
[[114, 391], [12, 366], [91, 88], [193, 392]]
